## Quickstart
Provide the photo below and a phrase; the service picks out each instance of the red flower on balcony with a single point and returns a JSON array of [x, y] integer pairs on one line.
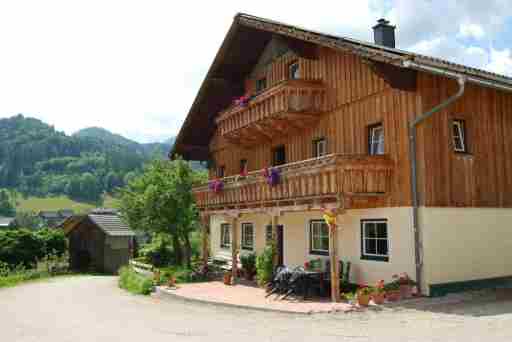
[[216, 186], [242, 101]]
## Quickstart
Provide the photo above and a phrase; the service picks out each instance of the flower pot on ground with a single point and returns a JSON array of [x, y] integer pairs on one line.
[[405, 284], [379, 294], [392, 290], [364, 294], [227, 278], [393, 296]]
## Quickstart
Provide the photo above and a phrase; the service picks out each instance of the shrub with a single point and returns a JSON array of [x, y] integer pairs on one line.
[[20, 246], [134, 282], [54, 241], [158, 252], [264, 265], [248, 262]]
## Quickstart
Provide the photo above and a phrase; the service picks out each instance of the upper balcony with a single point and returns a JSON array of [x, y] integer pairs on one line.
[[286, 107], [324, 179]]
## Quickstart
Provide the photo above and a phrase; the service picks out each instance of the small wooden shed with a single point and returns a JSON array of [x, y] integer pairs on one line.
[[100, 241]]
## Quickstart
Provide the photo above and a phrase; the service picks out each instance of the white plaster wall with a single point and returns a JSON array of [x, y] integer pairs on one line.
[[461, 244], [296, 240]]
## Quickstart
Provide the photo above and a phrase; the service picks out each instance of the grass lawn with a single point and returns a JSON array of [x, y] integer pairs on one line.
[[60, 202]]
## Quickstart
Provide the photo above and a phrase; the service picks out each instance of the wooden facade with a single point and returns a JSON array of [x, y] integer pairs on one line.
[[357, 97]]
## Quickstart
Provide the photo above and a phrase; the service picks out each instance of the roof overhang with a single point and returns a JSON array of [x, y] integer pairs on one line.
[[241, 49]]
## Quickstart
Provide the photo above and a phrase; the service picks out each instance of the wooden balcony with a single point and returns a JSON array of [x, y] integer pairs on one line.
[[326, 179], [287, 107]]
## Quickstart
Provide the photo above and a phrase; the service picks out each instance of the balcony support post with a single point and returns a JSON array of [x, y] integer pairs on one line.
[[275, 223], [205, 220], [234, 250]]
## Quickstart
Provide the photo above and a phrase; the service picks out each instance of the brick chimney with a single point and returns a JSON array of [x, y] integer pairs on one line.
[[384, 34]]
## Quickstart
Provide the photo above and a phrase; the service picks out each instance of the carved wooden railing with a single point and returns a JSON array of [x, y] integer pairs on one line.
[[326, 176], [281, 101]]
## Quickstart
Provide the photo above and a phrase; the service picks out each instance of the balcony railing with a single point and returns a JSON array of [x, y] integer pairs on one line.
[[288, 105], [318, 178]]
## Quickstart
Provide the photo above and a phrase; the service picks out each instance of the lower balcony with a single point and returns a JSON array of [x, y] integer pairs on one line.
[[332, 178]]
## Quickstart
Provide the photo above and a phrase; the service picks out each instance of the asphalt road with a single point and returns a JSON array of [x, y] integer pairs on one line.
[[89, 308]]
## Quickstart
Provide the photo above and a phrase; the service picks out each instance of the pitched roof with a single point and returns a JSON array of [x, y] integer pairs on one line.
[[6, 221], [110, 223], [49, 214], [236, 57]]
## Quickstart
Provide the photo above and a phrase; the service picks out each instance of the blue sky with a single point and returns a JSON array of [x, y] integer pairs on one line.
[[134, 67]]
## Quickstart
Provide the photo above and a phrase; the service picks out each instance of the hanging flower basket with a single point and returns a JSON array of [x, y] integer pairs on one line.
[[272, 175], [242, 101], [216, 186]]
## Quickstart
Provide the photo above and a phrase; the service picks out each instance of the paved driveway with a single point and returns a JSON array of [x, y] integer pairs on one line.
[[88, 308]]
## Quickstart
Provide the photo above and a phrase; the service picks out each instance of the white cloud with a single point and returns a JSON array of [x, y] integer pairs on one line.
[[501, 62], [468, 30], [134, 67]]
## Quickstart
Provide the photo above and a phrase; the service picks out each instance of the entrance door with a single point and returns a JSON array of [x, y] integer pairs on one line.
[[280, 245]]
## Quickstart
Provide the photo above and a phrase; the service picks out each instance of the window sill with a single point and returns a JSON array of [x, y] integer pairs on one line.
[[225, 247], [375, 258], [318, 253], [250, 249]]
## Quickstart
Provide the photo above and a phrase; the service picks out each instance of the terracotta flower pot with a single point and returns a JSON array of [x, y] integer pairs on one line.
[[171, 282], [227, 278], [363, 300], [393, 296], [378, 298], [405, 291]]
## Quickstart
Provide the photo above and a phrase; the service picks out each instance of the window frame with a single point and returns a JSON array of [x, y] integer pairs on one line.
[[244, 165], [221, 171], [372, 141], [369, 256], [461, 130], [261, 84], [313, 251], [274, 155], [316, 143], [290, 72], [223, 243], [269, 236], [243, 232]]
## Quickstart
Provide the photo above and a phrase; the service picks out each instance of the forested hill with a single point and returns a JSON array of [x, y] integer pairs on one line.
[[35, 159]]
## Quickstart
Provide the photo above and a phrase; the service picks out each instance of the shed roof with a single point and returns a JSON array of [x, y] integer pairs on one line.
[[110, 223], [6, 221], [240, 50]]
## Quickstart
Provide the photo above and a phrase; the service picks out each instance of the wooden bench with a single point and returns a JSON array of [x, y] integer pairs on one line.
[[224, 262]]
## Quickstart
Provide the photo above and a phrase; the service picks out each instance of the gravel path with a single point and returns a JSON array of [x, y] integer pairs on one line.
[[88, 308]]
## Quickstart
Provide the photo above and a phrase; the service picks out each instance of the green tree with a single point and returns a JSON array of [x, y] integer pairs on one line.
[[161, 201], [28, 220], [6, 206]]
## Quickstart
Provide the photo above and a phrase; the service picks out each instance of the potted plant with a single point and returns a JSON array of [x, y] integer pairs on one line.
[[392, 290], [379, 293], [248, 262], [405, 284], [227, 278], [364, 295]]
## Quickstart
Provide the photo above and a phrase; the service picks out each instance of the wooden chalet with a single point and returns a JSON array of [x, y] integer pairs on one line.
[[411, 152]]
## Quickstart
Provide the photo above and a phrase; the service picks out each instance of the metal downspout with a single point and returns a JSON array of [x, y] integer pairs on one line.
[[418, 248]]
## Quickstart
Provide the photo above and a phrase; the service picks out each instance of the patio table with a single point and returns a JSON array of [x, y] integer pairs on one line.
[[308, 277]]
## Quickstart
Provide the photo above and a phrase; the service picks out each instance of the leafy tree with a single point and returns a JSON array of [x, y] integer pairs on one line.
[[28, 220], [161, 201], [6, 206]]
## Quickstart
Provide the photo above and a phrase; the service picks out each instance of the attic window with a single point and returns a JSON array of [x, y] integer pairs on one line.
[[294, 71], [261, 84]]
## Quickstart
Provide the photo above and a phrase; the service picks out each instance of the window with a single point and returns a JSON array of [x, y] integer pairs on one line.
[[459, 136], [220, 171], [279, 156], [225, 235], [374, 240], [243, 166], [247, 236], [261, 84], [268, 234], [294, 71], [376, 140], [318, 238], [319, 147]]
